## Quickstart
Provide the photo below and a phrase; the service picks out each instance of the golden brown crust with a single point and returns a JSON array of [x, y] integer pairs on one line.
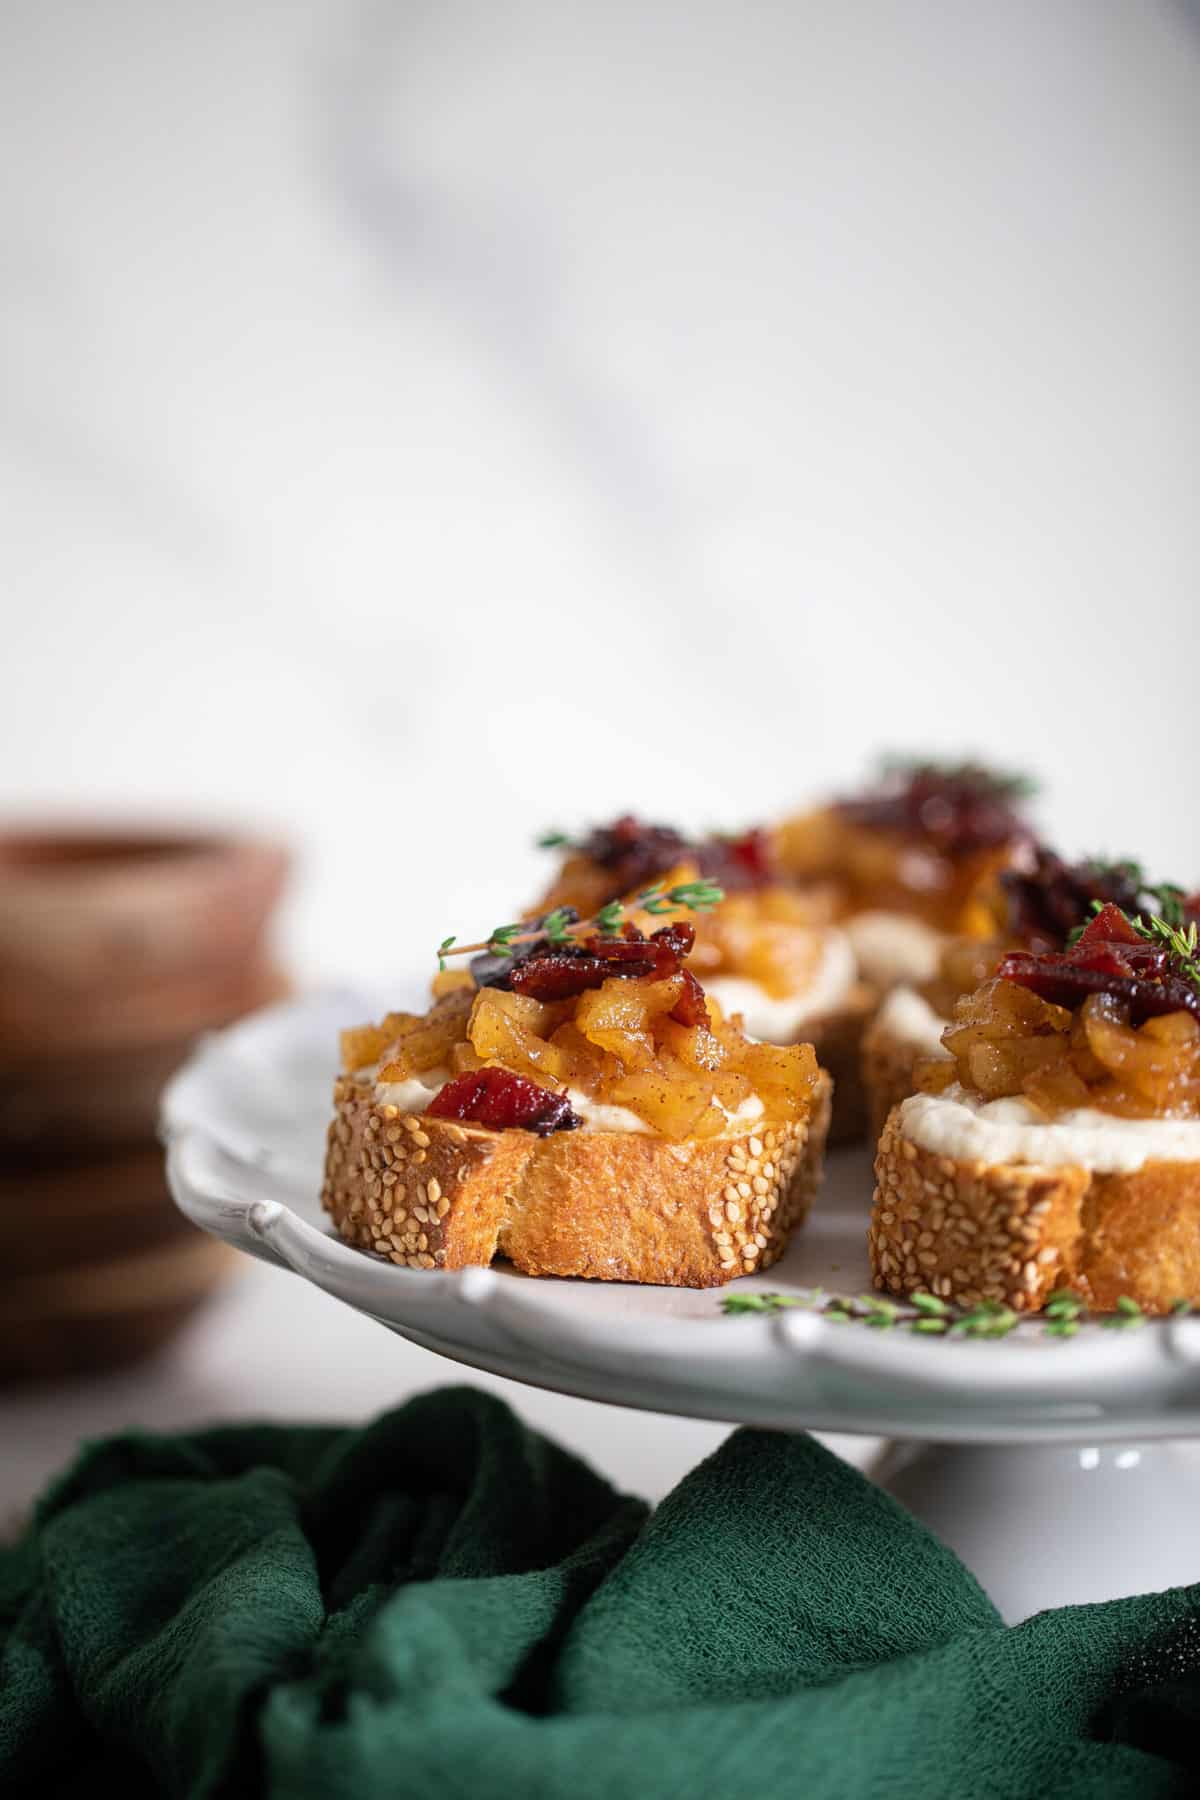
[[970, 1231], [888, 1064], [605, 1205], [837, 1038]]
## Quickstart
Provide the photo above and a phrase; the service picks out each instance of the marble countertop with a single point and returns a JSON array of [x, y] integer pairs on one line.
[[271, 1347]]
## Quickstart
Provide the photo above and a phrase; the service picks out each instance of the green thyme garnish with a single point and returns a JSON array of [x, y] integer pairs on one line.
[[929, 1316], [1183, 946], [1128, 1314], [561, 927], [1164, 898], [1165, 929], [503, 937], [608, 919], [554, 840], [1170, 903], [697, 896], [555, 924]]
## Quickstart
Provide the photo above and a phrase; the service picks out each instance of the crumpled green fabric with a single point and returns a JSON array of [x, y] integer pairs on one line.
[[445, 1604]]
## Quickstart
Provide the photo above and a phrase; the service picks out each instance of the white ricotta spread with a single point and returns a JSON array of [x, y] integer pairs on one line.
[[411, 1096], [414, 1095], [905, 1016], [779, 1021], [963, 1125], [891, 948]]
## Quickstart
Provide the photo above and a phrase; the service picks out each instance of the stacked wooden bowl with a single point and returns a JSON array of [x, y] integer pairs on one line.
[[116, 953]]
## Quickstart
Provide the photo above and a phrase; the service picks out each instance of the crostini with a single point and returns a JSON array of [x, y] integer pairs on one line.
[[578, 1105], [914, 861], [1041, 904], [770, 954], [1058, 1143]]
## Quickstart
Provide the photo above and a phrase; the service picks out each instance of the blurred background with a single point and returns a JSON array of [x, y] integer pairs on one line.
[[422, 424]]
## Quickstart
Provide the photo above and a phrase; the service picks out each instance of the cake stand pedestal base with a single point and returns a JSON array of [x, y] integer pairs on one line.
[[1056, 1524]]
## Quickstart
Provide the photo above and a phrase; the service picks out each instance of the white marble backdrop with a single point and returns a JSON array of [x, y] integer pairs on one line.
[[424, 422]]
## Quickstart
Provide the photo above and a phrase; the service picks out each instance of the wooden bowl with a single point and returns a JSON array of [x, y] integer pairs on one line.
[[117, 949], [80, 1321], [56, 1216], [96, 1098], [130, 938]]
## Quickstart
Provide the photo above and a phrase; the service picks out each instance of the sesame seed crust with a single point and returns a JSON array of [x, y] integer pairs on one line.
[[971, 1231], [609, 1206]]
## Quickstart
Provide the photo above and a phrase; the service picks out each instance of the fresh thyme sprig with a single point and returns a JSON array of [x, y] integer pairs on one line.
[[929, 1316], [1182, 944], [562, 927]]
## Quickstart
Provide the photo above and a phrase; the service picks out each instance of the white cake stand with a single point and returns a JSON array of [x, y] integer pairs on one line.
[[1044, 1462]]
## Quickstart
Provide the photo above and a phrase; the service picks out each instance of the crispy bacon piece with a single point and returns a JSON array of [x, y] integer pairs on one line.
[[691, 1008], [560, 971], [1109, 958]]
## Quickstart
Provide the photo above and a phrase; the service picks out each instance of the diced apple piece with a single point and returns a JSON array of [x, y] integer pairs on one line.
[[427, 1043], [731, 1090], [782, 1075], [503, 1030], [584, 1064], [363, 1045], [449, 981], [675, 1107], [696, 1046], [617, 1017]]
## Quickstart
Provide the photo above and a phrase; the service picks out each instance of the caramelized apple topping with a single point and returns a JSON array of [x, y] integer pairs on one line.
[[1049, 901], [775, 936], [927, 841], [1110, 957], [502, 1101], [618, 1019], [765, 931], [547, 971], [1049, 904], [615, 860], [408, 1044], [962, 965], [1113, 1022], [958, 809], [633, 854]]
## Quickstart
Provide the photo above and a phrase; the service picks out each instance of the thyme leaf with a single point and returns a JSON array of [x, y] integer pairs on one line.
[[562, 927], [930, 1316]]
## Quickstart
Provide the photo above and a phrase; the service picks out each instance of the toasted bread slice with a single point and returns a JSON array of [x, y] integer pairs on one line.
[[1014, 1232], [888, 1073], [837, 1038], [903, 1033], [605, 1205]]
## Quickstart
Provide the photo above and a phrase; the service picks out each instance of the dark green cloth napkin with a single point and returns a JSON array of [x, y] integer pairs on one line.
[[445, 1604]]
